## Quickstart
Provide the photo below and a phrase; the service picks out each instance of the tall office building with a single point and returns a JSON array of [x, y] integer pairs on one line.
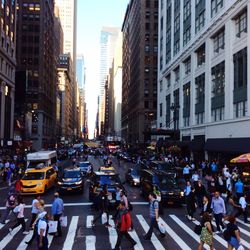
[[68, 17], [36, 76], [139, 72], [80, 71], [204, 75], [108, 39], [7, 70]]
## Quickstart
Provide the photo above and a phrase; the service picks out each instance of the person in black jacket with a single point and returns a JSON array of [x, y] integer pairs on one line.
[[200, 192], [206, 206], [191, 204]]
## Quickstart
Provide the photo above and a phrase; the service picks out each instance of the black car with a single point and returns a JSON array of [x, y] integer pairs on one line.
[[132, 176], [99, 179], [85, 167], [71, 180], [165, 182]]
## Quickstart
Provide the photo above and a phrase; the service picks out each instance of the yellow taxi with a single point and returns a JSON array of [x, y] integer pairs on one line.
[[38, 181]]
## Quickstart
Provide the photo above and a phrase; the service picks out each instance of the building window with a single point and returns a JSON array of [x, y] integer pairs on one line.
[[241, 24], [160, 109], [187, 9], [161, 86], [199, 118], [186, 36], [187, 66], [219, 41], [240, 69], [161, 62], [216, 5], [186, 121], [177, 75], [176, 47], [218, 79], [146, 104], [186, 104], [201, 56], [218, 114], [147, 48], [240, 109], [168, 77], [200, 21]]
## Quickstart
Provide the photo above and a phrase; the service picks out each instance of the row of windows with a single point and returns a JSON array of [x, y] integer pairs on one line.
[[6, 68], [240, 22]]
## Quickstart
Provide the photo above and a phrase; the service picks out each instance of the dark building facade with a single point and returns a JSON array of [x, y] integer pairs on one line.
[[7, 70], [139, 84], [37, 64]]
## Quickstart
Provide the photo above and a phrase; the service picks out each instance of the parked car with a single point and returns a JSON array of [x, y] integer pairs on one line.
[[166, 183], [132, 176], [86, 167], [71, 180]]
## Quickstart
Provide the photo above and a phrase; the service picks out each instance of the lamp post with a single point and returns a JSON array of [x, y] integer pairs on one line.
[[174, 108]]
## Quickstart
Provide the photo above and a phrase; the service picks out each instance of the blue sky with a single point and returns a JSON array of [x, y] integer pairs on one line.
[[92, 15]]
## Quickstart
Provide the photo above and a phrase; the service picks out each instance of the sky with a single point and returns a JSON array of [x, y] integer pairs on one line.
[[92, 15]]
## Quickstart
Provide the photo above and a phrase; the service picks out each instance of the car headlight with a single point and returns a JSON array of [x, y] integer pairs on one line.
[[39, 184], [78, 182], [136, 180], [182, 193], [59, 183]]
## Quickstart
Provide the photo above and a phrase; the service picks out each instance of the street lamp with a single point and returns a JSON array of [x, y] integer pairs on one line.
[[174, 108]]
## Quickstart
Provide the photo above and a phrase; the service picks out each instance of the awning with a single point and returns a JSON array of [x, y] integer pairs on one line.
[[197, 144], [230, 145]]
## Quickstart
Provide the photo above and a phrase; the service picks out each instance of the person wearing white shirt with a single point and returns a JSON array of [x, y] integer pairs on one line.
[[243, 209], [34, 210], [42, 227], [19, 209]]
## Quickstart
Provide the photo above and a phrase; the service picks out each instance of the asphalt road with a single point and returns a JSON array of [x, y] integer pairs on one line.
[[80, 235]]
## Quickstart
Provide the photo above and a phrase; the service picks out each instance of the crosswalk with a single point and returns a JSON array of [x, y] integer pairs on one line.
[[79, 234]]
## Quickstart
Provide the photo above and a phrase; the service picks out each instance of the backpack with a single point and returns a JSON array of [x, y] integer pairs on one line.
[[227, 235]]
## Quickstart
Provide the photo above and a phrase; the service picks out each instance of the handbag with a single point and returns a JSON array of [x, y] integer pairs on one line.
[[64, 221], [52, 226], [197, 229], [161, 227]]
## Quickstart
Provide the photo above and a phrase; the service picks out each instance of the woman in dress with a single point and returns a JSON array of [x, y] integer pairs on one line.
[[231, 206], [206, 232]]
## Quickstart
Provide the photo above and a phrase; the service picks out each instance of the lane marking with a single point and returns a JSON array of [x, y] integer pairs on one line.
[[112, 233], [174, 236], [88, 222], [242, 222], [82, 204], [23, 245], [187, 229], [2, 225], [69, 241], [50, 238], [134, 235], [157, 244], [9, 237], [90, 242]]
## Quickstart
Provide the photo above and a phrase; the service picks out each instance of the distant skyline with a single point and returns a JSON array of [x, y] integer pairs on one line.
[[91, 17]]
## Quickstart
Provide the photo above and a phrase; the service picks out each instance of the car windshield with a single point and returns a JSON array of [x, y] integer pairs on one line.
[[166, 181], [83, 165], [108, 179], [34, 176], [36, 164], [71, 174], [135, 172]]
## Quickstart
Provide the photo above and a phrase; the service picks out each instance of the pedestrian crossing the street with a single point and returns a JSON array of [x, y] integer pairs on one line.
[[79, 234]]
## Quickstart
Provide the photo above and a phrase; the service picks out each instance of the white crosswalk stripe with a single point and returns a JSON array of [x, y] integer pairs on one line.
[[187, 229], [68, 244], [89, 219], [175, 236], [157, 244], [176, 228], [9, 237], [90, 242]]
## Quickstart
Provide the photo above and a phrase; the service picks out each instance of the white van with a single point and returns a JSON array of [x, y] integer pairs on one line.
[[41, 159]]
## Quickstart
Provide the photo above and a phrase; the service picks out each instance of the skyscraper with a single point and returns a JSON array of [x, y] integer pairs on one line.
[[68, 17], [80, 71], [109, 36]]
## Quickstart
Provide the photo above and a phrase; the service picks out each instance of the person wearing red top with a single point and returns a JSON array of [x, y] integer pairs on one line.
[[123, 224]]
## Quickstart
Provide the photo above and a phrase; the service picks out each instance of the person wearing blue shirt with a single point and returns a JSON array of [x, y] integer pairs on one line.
[[57, 211], [239, 188]]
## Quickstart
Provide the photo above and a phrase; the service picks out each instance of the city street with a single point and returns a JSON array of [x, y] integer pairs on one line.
[[80, 235]]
